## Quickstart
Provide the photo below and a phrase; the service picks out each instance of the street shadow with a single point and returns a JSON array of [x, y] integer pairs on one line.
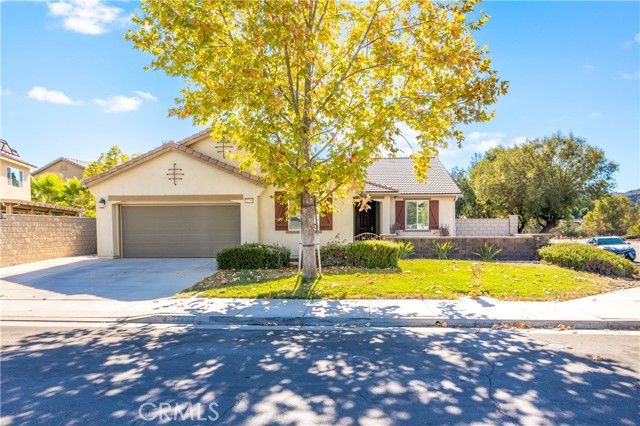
[[310, 377], [117, 279]]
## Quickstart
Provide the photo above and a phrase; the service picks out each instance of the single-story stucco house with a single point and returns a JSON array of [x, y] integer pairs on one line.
[[187, 199]]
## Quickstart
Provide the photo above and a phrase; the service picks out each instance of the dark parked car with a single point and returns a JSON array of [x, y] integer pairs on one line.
[[615, 245]]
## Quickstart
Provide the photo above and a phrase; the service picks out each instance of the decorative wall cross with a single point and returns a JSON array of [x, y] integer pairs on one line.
[[174, 174], [223, 146]]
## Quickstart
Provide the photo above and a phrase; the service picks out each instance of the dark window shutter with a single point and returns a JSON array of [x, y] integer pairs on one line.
[[282, 221], [326, 222], [400, 214], [434, 214]]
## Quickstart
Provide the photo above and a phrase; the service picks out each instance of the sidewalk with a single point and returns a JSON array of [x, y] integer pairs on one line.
[[617, 310]]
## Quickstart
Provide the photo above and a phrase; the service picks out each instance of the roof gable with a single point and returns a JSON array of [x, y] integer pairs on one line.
[[82, 164], [387, 174], [164, 148]]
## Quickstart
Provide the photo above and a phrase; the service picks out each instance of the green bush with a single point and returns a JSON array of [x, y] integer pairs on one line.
[[373, 254], [585, 257], [633, 232], [334, 254], [253, 256]]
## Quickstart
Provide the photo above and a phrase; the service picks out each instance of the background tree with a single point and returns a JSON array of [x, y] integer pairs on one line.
[[50, 188], [312, 91], [106, 161], [542, 180], [467, 205], [46, 188], [612, 214]]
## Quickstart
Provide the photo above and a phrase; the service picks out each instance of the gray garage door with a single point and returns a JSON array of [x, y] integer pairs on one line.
[[179, 231]]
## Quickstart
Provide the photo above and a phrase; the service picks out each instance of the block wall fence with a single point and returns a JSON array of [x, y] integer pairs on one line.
[[30, 238], [487, 227], [519, 248]]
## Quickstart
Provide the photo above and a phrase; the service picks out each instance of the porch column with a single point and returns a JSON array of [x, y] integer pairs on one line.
[[386, 215], [249, 221]]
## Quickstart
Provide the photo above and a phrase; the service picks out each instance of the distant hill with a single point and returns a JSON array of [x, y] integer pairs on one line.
[[633, 195]]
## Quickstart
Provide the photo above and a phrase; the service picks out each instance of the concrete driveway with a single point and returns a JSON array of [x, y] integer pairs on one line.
[[89, 278]]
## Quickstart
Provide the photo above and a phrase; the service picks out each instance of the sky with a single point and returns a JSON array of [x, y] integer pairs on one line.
[[71, 86]]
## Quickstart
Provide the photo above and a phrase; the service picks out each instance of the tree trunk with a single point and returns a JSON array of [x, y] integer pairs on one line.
[[307, 218], [549, 226]]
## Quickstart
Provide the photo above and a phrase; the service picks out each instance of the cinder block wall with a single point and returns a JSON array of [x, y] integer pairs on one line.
[[521, 247], [487, 227], [30, 238]]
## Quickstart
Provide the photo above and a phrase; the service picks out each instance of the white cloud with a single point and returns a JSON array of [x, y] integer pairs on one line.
[[125, 103], [119, 103], [594, 114], [518, 140], [635, 40], [53, 96], [5, 92], [629, 76], [587, 67], [145, 96], [475, 142], [87, 16]]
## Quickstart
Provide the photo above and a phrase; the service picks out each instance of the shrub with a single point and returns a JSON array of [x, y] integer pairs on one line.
[[334, 254], [487, 252], [584, 257], [633, 231], [253, 256], [443, 250], [373, 254], [406, 249]]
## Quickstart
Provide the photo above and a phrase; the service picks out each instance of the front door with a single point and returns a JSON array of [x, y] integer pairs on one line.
[[365, 221]]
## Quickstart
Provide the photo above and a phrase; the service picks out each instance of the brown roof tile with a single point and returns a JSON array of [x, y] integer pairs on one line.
[[398, 173]]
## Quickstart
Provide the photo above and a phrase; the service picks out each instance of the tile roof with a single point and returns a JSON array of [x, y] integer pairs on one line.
[[397, 173], [371, 187], [78, 163], [171, 146]]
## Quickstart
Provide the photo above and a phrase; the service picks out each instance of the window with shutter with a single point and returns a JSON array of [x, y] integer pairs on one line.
[[434, 214], [326, 222], [281, 220], [400, 214]]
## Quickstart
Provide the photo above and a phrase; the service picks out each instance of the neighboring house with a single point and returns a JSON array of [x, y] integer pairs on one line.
[[16, 184], [187, 199], [67, 168], [15, 187]]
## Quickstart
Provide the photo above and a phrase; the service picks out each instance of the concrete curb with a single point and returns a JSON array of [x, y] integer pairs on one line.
[[385, 322]]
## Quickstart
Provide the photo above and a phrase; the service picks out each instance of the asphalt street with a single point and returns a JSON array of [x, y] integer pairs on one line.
[[171, 375]]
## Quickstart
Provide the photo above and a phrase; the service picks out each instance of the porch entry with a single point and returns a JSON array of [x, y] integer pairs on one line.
[[367, 221]]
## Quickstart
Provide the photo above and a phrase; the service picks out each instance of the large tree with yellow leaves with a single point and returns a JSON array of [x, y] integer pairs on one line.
[[312, 91]]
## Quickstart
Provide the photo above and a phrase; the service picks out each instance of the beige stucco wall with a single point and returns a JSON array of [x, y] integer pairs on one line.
[[447, 215], [342, 224], [9, 192], [147, 183], [64, 169]]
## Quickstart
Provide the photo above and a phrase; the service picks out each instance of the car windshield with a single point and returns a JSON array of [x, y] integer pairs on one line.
[[609, 241]]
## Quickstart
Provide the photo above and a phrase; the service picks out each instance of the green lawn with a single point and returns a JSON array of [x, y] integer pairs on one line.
[[422, 278]]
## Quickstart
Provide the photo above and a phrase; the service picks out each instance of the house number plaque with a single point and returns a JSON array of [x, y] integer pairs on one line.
[[175, 174]]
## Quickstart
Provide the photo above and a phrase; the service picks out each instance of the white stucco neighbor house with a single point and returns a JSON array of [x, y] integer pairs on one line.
[[188, 199]]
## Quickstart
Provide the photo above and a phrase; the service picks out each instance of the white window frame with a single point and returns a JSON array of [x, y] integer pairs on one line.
[[20, 177], [416, 226]]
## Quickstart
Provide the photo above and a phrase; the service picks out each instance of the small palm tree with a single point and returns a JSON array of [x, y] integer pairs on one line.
[[46, 188]]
